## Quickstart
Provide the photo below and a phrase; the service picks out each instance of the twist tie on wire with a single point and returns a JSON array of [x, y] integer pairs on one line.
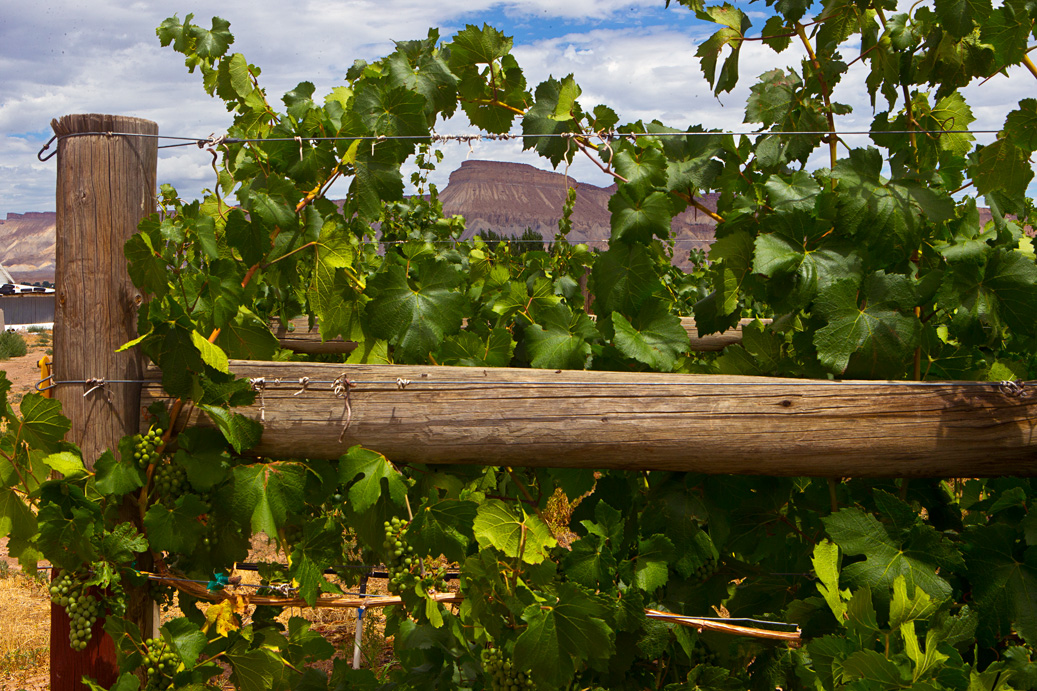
[[212, 141], [298, 139], [285, 590], [303, 383], [95, 384], [1015, 388], [258, 384], [401, 383], [340, 387], [219, 582]]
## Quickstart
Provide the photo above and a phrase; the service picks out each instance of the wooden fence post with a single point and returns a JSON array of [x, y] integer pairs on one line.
[[105, 185]]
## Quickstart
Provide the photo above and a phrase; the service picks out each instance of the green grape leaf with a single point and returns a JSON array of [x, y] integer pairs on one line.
[[247, 337], [233, 80], [512, 531], [373, 467], [589, 562], [872, 666], [175, 530], [1004, 587], [736, 24], [859, 533], [376, 178], [988, 295], [643, 168], [186, 639], [624, 277], [638, 217], [1001, 167], [1021, 125], [249, 238], [42, 424], [212, 354], [390, 111], [243, 433], [555, 112], [655, 336], [211, 43], [70, 465], [561, 632], [651, 565], [560, 339], [254, 670], [826, 567], [772, 97], [468, 349], [146, 266], [264, 494], [798, 191], [112, 477], [15, 517], [960, 16], [906, 608], [877, 337], [443, 527], [475, 46], [275, 212], [417, 318], [127, 681]]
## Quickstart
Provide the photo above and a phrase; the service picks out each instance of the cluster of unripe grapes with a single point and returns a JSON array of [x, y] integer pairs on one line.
[[404, 566], [82, 609], [503, 674], [144, 446], [160, 662], [707, 569], [170, 481], [702, 654]]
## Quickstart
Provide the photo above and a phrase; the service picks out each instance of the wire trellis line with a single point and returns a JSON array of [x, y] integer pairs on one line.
[[1016, 388], [197, 590], [212, 141]]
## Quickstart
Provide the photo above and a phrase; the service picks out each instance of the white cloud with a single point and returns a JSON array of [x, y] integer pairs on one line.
[[68, 56]]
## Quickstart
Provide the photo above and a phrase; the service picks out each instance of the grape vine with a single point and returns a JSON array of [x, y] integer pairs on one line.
[[874, 266]]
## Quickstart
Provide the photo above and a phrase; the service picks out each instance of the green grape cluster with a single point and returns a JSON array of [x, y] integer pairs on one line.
[[144, 446], [160, 662], [82, 608], [405, 567], [707, 569], [503, 673], [704, 655], [170, 481]]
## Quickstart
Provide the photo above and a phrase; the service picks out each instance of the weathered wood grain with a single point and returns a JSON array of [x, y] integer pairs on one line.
[[298, 336], [105, 185], [643, 421]]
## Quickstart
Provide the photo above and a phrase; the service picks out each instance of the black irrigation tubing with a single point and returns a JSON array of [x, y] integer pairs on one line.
[[201, 142]]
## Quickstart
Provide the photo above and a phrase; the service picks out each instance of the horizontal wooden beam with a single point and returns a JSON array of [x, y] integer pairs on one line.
[[642, 421], [298, 336]]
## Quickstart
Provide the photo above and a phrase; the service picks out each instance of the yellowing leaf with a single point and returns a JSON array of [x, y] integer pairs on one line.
[[223, 615]]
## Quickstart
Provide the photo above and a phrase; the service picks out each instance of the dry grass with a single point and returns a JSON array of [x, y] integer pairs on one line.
[[25, 633]]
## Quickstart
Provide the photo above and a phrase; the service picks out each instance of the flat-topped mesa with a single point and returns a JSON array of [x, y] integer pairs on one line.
[[507, 198], [27, 243]]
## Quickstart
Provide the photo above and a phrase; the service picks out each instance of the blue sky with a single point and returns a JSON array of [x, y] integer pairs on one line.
[[74, 56]]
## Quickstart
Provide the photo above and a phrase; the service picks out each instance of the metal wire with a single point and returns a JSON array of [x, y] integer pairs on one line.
[[202, 142]]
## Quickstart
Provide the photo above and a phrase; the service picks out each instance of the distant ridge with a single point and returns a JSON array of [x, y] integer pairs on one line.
[[27, 246], [509, 197]]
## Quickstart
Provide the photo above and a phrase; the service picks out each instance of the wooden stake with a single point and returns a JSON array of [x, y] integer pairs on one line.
[[105, 185]]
